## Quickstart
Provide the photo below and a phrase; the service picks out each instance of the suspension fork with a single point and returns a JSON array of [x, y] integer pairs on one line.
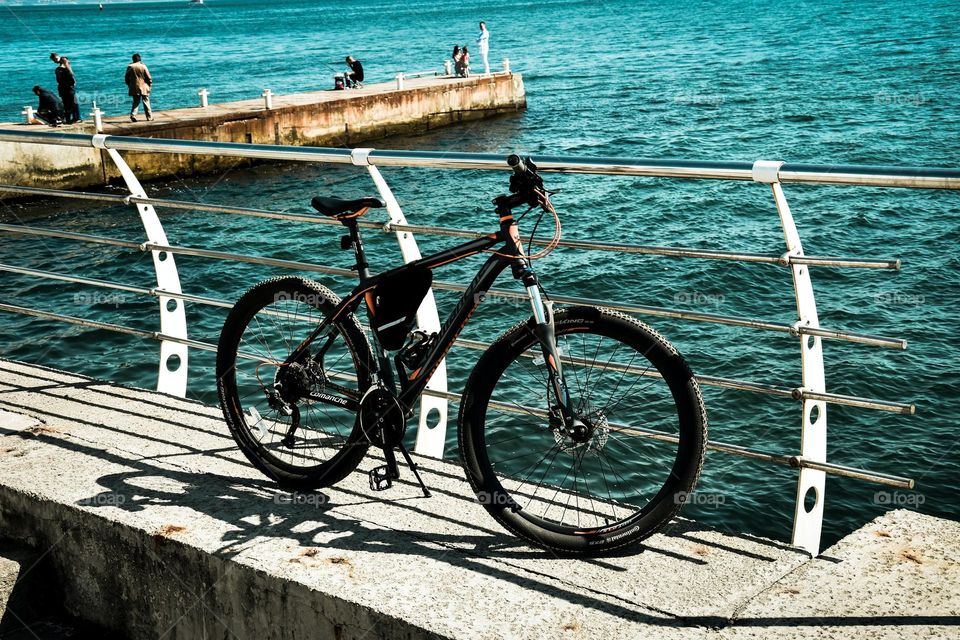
[[544, 328]]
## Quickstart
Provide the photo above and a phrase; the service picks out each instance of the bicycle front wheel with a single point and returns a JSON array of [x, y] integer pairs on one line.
[[624, 471], [295, 418]]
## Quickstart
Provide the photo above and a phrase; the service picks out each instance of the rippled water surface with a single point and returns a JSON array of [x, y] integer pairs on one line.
[[824, 82]]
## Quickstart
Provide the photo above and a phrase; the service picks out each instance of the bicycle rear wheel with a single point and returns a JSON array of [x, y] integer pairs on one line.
[[617, 479], [295, 420]]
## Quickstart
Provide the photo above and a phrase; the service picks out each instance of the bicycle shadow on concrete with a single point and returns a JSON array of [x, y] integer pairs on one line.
[[251, 511]]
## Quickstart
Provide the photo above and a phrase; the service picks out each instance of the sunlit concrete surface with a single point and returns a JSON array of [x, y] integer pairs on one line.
[[157, 527]]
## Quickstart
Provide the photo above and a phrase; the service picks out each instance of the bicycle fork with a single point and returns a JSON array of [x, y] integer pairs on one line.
[[545, 332]]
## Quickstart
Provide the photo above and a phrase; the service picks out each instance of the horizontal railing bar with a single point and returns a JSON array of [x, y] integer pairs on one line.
[[239, 257], [677, 252], [664, 312], [244, 211], [740, 385], [83, 322], [62, 193], [50, 275], [792, 461], [924, 178], [192, 251], [881, 341], [797, 462], [69, 235], [725, 383], [864, 403]]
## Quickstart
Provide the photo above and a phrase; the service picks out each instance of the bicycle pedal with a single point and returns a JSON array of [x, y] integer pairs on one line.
[[380, 478]]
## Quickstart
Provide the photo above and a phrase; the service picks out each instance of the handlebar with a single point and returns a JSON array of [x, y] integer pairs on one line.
[[526, 186]]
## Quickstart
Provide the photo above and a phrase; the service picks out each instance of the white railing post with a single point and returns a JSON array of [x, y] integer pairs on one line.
[[399, 81], [97, 116], [447, 68], [172, 376], [267, 96], [28, 112], [506, 65], [432, 429], [807, 522], [203, 93]]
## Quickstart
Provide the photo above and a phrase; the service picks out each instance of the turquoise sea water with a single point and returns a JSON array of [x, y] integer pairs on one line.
[[824, 82]]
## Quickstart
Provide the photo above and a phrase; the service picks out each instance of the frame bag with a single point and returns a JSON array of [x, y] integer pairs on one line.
[[393, 305]]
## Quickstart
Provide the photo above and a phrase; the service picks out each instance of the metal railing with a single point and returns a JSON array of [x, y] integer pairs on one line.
[[811, 393]]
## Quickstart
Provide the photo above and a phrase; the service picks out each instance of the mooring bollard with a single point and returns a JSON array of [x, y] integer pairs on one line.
[[28, 111], [399, 81], [97, 117], [267, 98], [506, 65], [447, 68], [203, 93]]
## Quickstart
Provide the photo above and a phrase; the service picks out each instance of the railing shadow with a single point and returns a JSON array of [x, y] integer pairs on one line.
[[253, 513]]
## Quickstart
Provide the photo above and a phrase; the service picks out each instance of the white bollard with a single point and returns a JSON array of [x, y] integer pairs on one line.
[[203, 93], [97, 117], [399, 82], [447, 68], [267, 99], [28, 112], [506, 65]]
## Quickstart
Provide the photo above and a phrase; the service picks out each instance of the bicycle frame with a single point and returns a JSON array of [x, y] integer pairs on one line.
[[510, 254]]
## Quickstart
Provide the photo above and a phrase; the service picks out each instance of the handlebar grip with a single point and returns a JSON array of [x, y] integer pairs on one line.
[[515, 161]]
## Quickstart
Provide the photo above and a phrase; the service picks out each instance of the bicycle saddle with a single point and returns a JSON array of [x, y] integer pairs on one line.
[[337, 208]]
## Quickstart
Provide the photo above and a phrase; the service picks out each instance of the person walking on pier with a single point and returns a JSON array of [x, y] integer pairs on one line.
[[67, 88], [50, 109], [139, 84], [483, 42]]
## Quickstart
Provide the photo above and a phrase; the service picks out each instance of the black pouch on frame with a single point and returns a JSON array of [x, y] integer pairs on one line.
[[394, 302]]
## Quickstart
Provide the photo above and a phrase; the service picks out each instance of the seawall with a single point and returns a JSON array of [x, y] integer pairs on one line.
[[321, 118]]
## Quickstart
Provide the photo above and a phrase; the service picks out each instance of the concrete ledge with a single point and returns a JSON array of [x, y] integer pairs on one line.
[[157, 527], [320, 118]]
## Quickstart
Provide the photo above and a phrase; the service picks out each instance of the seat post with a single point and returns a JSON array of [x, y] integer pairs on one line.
[[363, 269]]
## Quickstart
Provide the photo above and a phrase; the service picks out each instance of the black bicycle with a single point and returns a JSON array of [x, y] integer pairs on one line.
[[581, 429]]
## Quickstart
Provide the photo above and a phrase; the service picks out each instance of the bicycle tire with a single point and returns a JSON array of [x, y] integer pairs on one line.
[[503, 425], [260, 332]]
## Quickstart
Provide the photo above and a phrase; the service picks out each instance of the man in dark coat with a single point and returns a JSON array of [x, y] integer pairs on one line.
[[67, 88], [51, 107]]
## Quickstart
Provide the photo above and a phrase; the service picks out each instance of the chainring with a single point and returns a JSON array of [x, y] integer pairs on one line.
[[382, 419]]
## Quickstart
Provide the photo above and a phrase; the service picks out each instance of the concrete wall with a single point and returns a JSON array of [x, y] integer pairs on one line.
[[343, 119]]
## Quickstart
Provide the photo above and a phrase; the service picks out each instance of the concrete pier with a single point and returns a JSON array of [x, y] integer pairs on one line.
[[157, 527], [320, 118]]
